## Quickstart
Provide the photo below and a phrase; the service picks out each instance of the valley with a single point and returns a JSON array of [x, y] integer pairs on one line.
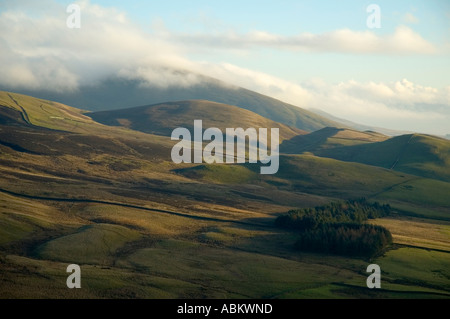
[[99, 189]]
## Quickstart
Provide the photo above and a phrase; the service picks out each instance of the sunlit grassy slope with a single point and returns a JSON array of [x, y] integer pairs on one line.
[[44, 113]]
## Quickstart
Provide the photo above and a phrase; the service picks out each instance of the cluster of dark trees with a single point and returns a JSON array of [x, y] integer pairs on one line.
[[345, 239], [351, 211], [337, 228]]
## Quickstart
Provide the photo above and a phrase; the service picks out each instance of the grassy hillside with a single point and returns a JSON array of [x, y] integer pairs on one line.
[[109, 198], [92, 244], [418, 154], [37, 112], [163, 118]]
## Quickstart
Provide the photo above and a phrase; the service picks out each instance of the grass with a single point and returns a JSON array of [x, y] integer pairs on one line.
[[332, 177], [238, 262], [417, 267], [227, 235], [220, 173], [420, 197], [13, 230], [93, 244], [22, 277], [45, 113], [148, 223], [417, 232], [417, 154], [22, 219], [229, 274]]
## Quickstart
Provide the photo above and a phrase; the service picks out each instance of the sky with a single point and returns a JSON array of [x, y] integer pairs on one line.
[[313, 54]]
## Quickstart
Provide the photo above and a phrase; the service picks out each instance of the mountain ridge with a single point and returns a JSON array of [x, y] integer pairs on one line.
[[117, 93]]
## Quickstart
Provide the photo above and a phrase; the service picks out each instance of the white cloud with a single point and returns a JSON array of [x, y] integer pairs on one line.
[[160, 76], [401, 105], [40, 52], [403, 41], [257, 81]]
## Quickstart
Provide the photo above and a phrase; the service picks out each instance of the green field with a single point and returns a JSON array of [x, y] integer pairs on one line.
[[424, 269]]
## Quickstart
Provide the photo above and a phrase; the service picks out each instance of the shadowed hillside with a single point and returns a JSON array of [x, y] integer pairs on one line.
[[328, 138]]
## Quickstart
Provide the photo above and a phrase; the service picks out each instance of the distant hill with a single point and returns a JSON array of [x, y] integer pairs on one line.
[[119, 93], [417, 154], [162, 118], [359, 127], [329, 137]]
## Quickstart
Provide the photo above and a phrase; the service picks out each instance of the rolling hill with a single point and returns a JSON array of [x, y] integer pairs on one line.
[[357, 126], [26, 110], [329, 138], [163, 118], [417, 154]]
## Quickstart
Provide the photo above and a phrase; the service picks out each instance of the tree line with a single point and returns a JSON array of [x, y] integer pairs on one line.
[[338, 228]]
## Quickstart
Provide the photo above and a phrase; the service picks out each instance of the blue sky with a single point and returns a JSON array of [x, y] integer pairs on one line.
[[314, 54], [286, 17]]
